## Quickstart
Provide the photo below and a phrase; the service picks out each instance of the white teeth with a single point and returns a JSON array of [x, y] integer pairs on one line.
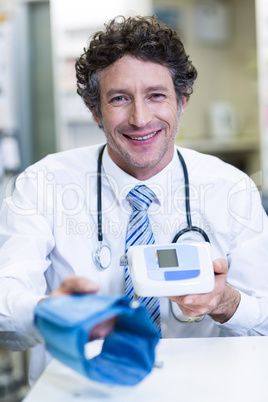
[[144, 138]]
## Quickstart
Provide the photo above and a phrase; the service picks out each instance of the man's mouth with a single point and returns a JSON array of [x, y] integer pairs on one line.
[[145, 137]]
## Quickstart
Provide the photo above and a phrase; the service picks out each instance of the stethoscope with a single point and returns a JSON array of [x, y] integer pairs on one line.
[[103, 255]]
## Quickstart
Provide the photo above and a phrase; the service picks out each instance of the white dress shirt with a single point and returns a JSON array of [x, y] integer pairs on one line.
[[48, 230]]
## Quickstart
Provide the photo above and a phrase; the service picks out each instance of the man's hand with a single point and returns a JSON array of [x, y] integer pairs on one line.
[[220, 304], [78, 285], [75, 285]]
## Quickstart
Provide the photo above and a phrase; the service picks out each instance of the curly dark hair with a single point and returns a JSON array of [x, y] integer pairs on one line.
[[143, 37]]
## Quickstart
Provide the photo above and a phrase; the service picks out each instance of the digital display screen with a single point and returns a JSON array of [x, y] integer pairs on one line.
[[167, 258]]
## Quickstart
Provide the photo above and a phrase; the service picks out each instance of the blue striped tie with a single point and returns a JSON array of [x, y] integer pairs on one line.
[[140, 232]]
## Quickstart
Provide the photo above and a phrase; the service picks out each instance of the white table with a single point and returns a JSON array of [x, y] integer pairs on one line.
[[194, 370]]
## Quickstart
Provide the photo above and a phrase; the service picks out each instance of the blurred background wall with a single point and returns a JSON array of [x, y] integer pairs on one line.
[[42, 39], [40, 112]]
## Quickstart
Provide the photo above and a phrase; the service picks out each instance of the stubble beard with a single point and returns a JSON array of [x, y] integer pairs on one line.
[[127, 157]]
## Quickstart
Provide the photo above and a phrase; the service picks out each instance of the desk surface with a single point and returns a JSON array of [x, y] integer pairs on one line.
[[203, 370]]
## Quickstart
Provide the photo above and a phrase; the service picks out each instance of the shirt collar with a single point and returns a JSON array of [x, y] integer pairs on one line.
[[125, 182]]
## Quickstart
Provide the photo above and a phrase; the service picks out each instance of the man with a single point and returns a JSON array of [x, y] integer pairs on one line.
[[136, 78]]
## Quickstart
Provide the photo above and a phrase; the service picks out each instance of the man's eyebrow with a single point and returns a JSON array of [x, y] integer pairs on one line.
[[156, 88], [116, 91]]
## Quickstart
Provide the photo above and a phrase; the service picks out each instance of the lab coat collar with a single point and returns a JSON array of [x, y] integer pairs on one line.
[[126, 182]]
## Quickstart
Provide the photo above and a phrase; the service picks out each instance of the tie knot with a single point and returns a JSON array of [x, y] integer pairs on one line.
[[141, 197]]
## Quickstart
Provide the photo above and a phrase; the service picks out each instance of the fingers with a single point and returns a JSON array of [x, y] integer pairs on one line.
[[201, 304], [75, 285], [196, 305]]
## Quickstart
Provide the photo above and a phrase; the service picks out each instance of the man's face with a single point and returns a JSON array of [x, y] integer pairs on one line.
[[139, 114]]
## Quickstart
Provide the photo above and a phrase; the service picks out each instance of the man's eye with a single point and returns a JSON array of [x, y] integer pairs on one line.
[[118, 99], [157, 96]]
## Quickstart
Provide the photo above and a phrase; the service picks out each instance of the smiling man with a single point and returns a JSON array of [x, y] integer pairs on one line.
[[136, 78], [139, 115]]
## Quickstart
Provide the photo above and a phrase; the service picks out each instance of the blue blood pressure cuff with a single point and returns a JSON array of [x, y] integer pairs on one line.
[[128, 351]]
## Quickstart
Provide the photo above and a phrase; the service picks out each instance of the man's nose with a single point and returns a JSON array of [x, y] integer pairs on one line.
[[140, 113]]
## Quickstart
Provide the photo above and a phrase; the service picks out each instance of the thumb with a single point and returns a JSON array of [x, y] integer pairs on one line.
[[220, 266]]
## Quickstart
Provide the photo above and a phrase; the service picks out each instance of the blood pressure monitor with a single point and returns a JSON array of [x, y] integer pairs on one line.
[[171, 269]]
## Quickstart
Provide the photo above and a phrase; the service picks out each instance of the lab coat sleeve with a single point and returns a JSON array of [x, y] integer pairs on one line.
[[248, 262], [250, 319], [25, 243]]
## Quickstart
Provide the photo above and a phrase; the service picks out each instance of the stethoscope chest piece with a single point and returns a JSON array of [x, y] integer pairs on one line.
[[102, 257]]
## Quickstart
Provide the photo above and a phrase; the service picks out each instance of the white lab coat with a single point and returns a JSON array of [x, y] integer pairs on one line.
[[48, 230]]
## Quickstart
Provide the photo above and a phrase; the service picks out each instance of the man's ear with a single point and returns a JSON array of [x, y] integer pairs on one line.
[[183, 104], [96, 117]]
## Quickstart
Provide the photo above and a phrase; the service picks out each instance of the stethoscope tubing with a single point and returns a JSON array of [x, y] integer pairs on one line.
[[189, 227], [99, 194]]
